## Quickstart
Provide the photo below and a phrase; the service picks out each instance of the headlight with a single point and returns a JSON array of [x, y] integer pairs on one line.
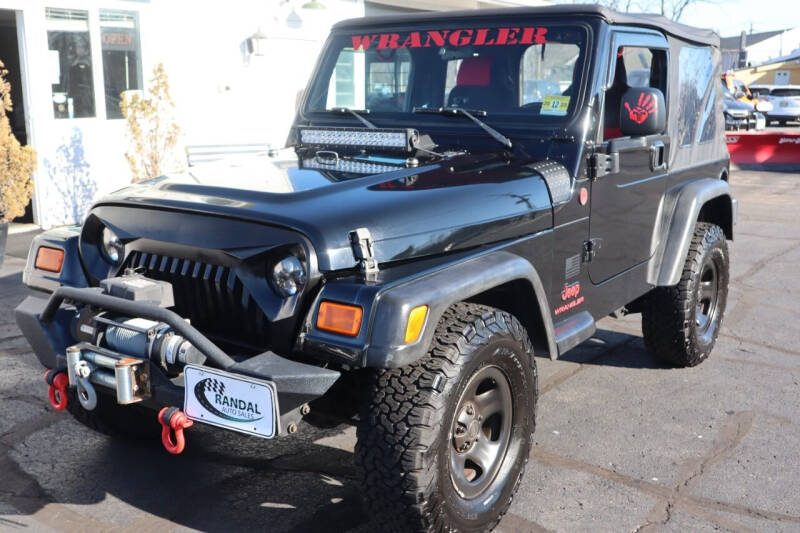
[[113, 249], [288, 276], [763, 106]]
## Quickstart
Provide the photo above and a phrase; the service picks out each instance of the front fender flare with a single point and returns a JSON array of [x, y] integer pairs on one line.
[[439, 290], [679, 213]]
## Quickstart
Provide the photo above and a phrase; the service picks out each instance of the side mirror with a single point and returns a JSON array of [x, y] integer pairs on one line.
[[642, 112]]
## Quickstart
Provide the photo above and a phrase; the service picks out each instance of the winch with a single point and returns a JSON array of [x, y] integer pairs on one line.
[[116, 351]]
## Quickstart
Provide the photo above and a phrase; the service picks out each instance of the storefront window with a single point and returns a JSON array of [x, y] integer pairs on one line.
[[122, 64], [70, 63]]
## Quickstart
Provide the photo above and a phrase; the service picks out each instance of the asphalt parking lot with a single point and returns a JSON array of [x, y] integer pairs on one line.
[[621, 443]]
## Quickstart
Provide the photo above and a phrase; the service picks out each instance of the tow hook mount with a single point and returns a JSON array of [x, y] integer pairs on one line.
[[174, 420]]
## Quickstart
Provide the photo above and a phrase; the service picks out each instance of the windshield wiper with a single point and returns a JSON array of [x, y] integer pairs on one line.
[[470, 114], [348, 111]]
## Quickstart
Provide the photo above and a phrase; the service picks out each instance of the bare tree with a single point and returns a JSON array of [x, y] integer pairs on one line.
[[672, 9]]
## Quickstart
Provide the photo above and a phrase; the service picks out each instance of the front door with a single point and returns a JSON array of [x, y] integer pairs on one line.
[[624, 202]]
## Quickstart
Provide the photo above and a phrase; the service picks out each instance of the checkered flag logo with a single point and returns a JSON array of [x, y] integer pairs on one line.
[[213, 385]]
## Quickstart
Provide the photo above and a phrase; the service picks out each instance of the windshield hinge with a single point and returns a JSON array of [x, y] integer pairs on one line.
[[590, 248], [362, 243], [601, 164]]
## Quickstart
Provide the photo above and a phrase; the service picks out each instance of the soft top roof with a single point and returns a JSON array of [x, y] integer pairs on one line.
[[682, 31]]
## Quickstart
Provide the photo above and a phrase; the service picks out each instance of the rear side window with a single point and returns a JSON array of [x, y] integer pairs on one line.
[[695, 74]]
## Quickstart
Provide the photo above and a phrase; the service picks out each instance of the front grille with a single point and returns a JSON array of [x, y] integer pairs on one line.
[[212, 297]]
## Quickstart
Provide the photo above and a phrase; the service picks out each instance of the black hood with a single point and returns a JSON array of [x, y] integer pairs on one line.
[[441, 206]]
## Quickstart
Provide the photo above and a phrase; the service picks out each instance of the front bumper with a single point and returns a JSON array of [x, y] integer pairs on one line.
[[48, 323], [784, 114]]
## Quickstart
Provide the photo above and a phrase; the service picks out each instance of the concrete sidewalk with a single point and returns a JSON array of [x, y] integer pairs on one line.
[[622, 444]]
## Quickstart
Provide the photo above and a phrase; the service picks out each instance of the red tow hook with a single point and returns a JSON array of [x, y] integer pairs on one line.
[[173, 419], [57, 383]]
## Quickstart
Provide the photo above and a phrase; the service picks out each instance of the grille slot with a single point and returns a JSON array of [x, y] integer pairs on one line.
[[211, 296]]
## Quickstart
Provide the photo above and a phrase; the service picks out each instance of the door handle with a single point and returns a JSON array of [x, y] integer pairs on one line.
[[657, 159]]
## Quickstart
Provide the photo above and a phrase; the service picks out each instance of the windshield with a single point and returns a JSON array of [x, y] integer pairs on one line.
[[787, 93], [528, 73]]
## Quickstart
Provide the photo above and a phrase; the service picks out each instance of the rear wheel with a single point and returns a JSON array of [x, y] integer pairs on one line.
[[681, 323], [443, 442]]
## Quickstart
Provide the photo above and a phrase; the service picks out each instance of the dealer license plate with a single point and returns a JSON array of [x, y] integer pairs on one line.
[[230, 401]]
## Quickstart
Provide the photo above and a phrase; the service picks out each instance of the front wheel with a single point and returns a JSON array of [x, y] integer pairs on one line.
[[443, 442], [681, 323]]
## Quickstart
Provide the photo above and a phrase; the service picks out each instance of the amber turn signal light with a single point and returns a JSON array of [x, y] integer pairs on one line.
[[49, 259], [343, 319], [416, 320]]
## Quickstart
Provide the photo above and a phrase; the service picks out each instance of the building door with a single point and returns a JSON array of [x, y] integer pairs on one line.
[[782, 77], [11, 58]]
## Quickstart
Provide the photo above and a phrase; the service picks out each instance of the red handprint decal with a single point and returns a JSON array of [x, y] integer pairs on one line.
[[643, 109]]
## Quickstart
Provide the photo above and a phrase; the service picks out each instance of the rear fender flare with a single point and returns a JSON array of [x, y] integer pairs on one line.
[[678, 214], [439, 290]]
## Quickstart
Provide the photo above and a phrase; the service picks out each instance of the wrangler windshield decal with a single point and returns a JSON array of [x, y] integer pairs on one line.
[[456, 38]]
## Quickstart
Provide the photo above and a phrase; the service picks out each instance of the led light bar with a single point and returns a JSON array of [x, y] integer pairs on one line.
[[385, 138], [346, 165]]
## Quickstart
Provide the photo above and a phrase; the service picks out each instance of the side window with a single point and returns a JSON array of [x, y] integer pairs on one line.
[[122, 62], [695, 81], [70, 58], [635, 66], [638, 63]]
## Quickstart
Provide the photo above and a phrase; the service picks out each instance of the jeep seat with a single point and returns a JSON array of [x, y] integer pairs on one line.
[[474, 89]]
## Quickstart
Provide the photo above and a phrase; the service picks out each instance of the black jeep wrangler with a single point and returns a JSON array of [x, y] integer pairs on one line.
[[460, 192]]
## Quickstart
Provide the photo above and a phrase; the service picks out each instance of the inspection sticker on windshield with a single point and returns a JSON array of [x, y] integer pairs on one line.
[[230, 401], [555, 105]]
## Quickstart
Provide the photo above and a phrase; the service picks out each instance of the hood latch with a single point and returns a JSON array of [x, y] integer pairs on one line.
[[362, 243]]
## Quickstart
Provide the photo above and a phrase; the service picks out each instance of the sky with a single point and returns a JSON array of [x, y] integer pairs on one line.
[[730, 17]]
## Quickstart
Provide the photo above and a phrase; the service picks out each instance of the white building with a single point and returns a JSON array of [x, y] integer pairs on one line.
[[69, 60], [750, 49]]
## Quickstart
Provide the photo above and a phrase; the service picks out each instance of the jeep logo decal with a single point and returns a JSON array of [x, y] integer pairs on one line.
[[570, 291], [571, 296], [211, 395]]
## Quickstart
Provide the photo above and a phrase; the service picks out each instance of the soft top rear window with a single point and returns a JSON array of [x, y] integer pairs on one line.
[[527, 72]]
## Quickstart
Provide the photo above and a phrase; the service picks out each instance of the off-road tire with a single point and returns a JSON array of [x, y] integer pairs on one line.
[[109, 418], [670, 315], [405, 434]]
